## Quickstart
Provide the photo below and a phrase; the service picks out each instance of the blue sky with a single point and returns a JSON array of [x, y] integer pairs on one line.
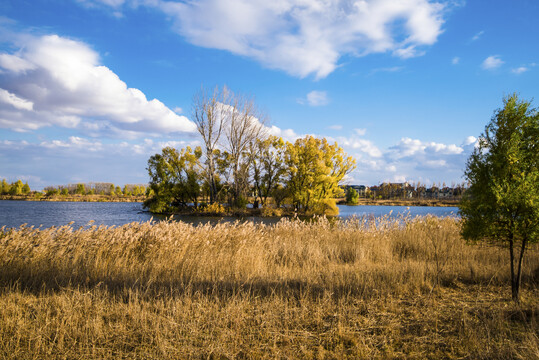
[[90, 89]]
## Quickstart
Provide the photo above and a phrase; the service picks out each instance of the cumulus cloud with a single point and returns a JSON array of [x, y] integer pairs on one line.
[[470, 140], [492, 62], [410, 159], [286, 134], [53, 80], [410, 147], [363, 146], [305, 37]]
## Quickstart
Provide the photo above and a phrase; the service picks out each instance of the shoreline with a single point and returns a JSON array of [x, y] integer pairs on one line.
[[114, 198], [74, 198]]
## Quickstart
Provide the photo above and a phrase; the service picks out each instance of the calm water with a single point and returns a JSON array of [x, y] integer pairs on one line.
[[46, 214]]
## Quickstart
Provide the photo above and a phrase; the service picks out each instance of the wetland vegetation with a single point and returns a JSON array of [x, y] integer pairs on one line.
[[348, 289]]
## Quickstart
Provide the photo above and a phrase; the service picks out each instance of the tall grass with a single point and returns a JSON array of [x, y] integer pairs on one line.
[[393, 288]]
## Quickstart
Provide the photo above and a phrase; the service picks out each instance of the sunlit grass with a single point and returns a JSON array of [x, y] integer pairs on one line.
[[292, 290]]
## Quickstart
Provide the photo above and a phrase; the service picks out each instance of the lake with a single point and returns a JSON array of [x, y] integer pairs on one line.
[[47, 214]]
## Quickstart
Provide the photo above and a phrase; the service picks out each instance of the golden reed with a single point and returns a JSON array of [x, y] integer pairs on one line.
[[391, 288]]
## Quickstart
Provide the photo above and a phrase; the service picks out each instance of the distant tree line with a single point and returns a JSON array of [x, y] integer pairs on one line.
[[391, 191], [96, 188], [240, 163], [15, 188]]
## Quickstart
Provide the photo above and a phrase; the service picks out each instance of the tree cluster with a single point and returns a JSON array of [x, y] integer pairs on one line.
[[96, 188], [239, 162], [15, 188]]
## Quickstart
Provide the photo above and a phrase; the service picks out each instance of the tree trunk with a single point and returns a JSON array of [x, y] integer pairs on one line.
[[518, 279], [211, 177], [514, 288]]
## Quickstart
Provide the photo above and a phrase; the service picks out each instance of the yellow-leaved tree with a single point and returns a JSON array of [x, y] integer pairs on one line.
[[314, 170]]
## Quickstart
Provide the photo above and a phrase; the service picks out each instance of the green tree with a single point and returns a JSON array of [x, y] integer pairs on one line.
[[64, 191], [502, 202], [352, 196], [314, 171], [4, 188], [174, 179], [26, 188], [137, 190], [16, 188], [81, 190], [50, 191], [267, 159]]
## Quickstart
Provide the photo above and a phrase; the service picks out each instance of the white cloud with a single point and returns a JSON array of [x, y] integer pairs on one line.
[[399, 178], [286, 134], [112, 3], [477, 36], [335, 127], [455, 60], [305, 37], [410, 147], [469, 141], [74, 142], [360, 132], [408, 52], [435, 164], [519, 70], [15, 101], [79, 159], [362, 145], [52, 80], [492, 62], [317, 98], [15, 64]]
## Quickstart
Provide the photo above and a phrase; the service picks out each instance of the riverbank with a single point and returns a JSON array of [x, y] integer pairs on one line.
[[115, 198], [73, 198], [291, 290]]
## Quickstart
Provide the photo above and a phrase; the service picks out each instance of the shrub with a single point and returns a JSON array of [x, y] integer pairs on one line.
[[213, 209]]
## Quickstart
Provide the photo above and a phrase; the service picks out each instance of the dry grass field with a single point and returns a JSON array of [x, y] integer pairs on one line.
[[399, 289]]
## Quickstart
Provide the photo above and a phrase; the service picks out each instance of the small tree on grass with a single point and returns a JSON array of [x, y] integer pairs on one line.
[[502, 202], [352, 196]]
